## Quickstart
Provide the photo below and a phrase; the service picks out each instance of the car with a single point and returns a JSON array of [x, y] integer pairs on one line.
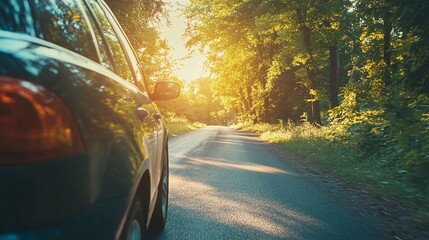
[[83, 147]]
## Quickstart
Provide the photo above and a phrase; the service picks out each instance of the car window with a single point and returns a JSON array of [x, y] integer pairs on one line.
[[128, 49], [17, 16], [119, 59], [105, 54], [57, 21], [140, 80]]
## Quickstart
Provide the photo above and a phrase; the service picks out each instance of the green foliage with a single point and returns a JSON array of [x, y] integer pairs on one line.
[[267, 56], [196, 103], [178, 125], [140, 21], [409, 126], [270, 61]]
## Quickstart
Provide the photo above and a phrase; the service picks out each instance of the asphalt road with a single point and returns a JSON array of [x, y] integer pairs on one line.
[[226, 184]]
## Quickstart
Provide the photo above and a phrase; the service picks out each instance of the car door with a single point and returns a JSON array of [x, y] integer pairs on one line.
[[126, 65]]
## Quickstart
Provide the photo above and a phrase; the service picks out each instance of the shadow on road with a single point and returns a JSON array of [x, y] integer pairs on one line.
[[232, 187]]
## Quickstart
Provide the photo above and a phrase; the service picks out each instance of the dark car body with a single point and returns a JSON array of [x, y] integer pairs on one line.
[[83, 150]]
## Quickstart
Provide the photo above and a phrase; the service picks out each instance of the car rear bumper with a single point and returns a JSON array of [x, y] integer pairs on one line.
[[100, 220]]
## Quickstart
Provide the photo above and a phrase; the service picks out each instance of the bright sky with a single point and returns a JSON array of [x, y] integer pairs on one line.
[[192, 67]]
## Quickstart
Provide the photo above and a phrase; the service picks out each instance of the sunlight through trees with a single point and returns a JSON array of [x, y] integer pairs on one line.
[[360, 67]]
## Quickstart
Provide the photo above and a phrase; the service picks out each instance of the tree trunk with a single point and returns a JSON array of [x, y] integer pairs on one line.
[[250, 99], [314, 106], [387, 44], [267, 108], [244, 100], [314, 103], [334, 76]]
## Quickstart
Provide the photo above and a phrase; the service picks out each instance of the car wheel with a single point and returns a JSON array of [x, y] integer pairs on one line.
[[135, 232], [159, 217], [137, 228]]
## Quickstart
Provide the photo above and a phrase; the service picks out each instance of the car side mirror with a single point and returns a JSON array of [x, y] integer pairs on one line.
[[165, 91]]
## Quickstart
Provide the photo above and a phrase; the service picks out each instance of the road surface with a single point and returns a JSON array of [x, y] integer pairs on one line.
[[226, 184]]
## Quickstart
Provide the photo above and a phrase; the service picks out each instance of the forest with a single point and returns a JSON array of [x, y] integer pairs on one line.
[[343, 76]]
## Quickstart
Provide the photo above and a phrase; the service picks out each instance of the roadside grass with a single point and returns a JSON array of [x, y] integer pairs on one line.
[[178, 125], [325, 146]]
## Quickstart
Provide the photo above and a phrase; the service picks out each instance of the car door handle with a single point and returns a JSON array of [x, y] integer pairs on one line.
[[142, 113]]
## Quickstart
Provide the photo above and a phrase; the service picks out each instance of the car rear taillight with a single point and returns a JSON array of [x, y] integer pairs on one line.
[[35, 125]]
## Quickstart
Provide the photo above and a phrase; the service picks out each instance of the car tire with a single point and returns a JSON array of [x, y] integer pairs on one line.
[[137, 228], [135, 231], [159, 217]]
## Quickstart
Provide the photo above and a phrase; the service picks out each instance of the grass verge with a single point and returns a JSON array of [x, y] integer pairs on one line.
[[380, 173], [178, 125]]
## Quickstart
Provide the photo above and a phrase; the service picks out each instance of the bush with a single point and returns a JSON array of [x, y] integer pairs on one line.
[[177, 125]]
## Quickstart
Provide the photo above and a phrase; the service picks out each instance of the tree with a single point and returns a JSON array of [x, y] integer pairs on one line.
[[140, 20]]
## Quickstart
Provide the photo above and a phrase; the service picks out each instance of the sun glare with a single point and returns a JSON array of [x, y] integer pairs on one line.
[[190, 65]]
